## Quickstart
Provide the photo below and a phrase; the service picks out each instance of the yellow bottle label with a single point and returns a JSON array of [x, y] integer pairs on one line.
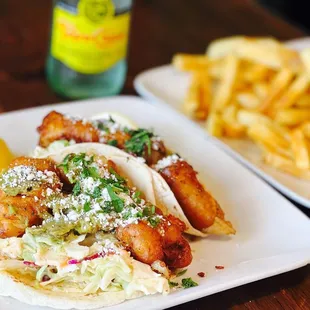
[[92, 39]]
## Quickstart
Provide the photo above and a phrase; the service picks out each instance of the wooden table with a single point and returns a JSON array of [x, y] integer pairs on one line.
[[160, 28]]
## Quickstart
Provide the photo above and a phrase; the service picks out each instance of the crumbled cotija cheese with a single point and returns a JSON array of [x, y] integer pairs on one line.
[[167, 161]]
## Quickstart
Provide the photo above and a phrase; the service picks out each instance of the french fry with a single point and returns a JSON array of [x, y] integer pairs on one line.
[[254, 87], [276, 159], [277, 87], [231, 127], [231, 131], [216, 67], [260, 90], [305, 57], [283, 152], [286, 165], [266, 51], [264, 135], [294, 92], [292, 117], [223, 47], [248, 100], [224, 91], [187, 62], [249, 119], [255, 72], [214, 125], [300, 149], [303, 101], [241, 86], [305, 127], [204, 107], [198, 97]]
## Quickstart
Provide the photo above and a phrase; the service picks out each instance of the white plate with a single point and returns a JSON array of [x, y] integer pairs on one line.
[[164, 84], [272, 235]]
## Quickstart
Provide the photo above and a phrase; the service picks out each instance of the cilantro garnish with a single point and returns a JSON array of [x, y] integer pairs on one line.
[[76, 189], [93, 172], [104, 124], [127, 215], [139, 214], [149, 210], [154, 221], [117, 202], [77, 159], [112, 142], [85, 173], [77, 162], [136, 197], [96, 193], [87, 206], [118, 185], [65, 164], [140, 139], [127, 130], [181, 273], [188, 282], [103, 127], [172, 284], [131, 205], [108, 207], [118, 177]]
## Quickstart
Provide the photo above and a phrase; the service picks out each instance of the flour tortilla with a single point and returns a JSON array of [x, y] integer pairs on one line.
[[21, 287]]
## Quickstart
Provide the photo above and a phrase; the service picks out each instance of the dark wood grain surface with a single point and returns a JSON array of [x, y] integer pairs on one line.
[[160, 28]]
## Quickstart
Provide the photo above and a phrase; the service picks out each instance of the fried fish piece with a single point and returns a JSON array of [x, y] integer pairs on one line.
[[18, 213], [176, 248], [199, 206], [143, 241], [56, 126], [161, 243], [158, 151], [48, 167], [178, 254], [40, 164], [21, 204]]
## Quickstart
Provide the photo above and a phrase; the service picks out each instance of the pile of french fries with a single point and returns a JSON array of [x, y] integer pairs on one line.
[[254, 88]]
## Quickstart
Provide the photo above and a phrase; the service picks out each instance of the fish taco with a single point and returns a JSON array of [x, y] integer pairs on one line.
[[81, 230], [176, 183]]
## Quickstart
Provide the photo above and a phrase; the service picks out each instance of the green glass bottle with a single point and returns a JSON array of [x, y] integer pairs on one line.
[[88, 46]]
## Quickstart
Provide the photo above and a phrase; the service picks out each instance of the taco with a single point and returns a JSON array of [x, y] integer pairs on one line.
[[176, 184], [81, 229]]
